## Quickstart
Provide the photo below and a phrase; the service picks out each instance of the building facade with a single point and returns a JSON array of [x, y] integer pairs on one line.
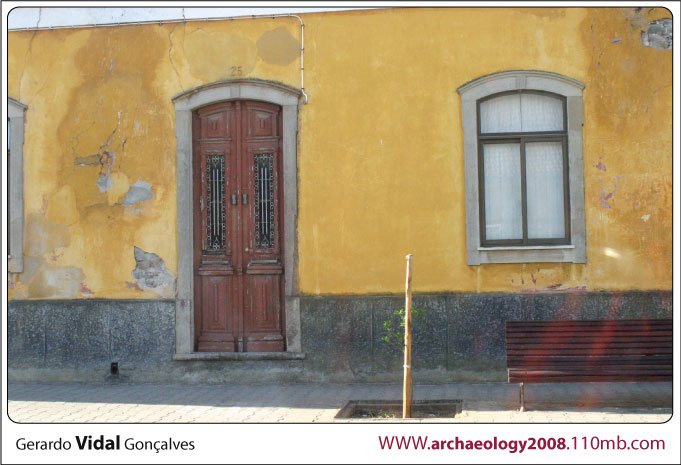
[[232, 200]]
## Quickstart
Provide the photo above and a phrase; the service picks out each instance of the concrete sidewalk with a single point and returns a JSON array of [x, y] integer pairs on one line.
[[320, 402]]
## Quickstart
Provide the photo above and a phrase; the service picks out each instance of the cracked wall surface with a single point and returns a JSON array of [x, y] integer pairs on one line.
[[380, 150]]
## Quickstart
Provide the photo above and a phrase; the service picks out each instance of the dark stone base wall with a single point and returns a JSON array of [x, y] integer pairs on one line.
[[460, 337], [75, 334]]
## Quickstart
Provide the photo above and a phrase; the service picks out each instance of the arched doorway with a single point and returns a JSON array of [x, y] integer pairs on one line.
[[257, 284]]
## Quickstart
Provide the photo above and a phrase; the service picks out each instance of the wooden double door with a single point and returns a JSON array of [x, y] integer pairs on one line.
[[238, 229]]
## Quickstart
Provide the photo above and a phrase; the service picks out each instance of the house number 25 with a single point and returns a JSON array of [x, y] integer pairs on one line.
[[235, 71]]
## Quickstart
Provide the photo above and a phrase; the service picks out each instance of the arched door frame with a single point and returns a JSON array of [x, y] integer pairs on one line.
[[185, 104]]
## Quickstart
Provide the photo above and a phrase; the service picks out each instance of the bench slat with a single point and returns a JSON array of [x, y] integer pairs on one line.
[[586, 352], [563, 332], [528, 324], [579, 379], [615, 342], [615, 370], [605, 357], [593, 361], [589, 350]]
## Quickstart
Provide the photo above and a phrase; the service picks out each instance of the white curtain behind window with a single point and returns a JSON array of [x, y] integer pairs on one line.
[[540, 113], [500, 114], [503, 207], [526, 112], [544, 172]]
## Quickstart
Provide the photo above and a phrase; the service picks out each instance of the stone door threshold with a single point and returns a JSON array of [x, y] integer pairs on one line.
[[240, 356]]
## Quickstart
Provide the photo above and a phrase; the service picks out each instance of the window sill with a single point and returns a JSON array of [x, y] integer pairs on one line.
[[531, 247], [568, 253]]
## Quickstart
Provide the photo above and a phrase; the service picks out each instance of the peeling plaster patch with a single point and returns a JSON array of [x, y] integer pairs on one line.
[[601, 166], [151, 274], [104, 158], [139, 192], [106, 161], [59, 282], [103, 183], [658, 35], [278, 47], [616, 40], [88, 160], [645, 218]]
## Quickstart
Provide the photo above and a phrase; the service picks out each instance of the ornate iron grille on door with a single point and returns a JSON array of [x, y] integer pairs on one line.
[[215, 196], [264, 200]]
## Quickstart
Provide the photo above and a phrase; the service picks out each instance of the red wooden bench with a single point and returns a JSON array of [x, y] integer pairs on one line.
[[588, 351]]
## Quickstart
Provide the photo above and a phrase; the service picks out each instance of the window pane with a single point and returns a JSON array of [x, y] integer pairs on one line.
[[541, 113], [503, 206], [522, 112], [500, 114], [545, 207]]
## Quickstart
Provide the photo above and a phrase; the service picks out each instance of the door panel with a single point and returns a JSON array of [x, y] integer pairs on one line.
[[238, 232], [262, 316], [217, 326]]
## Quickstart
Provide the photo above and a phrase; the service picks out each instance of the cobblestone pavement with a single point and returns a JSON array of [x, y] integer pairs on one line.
[[320, 402]]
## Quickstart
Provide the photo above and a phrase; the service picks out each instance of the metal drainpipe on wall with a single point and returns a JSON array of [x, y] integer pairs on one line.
[[224, 18]]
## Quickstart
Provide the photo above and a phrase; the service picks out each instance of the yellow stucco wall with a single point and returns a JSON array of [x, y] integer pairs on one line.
[[380, 150]]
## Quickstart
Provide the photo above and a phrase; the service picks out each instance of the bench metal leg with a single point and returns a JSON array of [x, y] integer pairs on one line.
[[522, 397]]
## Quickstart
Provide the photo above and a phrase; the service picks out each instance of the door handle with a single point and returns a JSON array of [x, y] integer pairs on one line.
[[244, 198], [234, 199]]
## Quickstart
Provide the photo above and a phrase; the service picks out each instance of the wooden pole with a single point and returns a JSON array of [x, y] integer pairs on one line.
[[406, 394]]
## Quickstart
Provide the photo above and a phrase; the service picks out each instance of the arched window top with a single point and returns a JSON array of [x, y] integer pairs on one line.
[[521, 111], [518, 80]]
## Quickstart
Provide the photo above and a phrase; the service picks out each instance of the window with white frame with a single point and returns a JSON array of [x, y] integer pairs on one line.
[[15, 178], [523, 166]]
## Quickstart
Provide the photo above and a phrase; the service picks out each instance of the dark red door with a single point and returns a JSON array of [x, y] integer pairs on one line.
[[238, 269]]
